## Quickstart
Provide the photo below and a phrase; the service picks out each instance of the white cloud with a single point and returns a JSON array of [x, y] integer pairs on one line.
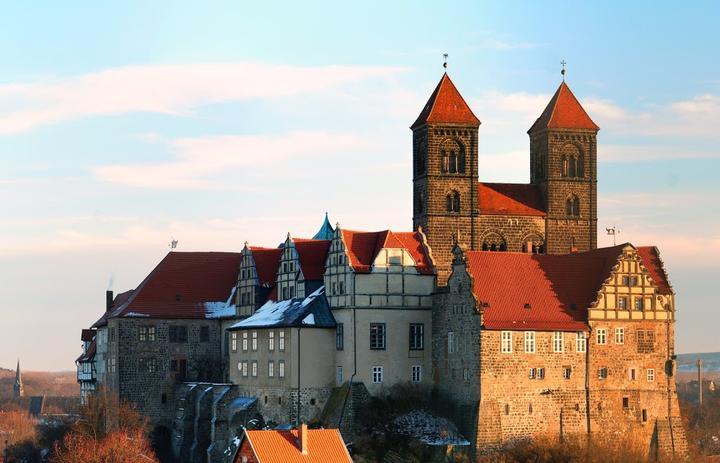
[[166, 89]]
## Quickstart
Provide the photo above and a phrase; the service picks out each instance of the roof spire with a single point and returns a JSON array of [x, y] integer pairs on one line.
[[445, 56], [562, 71], [18, 388]]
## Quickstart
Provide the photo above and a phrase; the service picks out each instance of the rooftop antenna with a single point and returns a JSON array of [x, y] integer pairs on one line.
[[562, 71], [614, 231], [173, 244], [445, 55]]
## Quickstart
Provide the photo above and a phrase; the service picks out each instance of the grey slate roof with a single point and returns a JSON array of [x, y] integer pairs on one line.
[[310, 312]]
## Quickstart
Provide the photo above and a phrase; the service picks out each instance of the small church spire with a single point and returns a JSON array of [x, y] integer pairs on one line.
[[18, 388], [445, 57], [562, 71]]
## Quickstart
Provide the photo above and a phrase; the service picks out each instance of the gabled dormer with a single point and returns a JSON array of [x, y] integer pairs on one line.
[[256, 278], [301, 267]]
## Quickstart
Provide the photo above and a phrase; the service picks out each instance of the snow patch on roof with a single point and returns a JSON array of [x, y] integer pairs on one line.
[[136, 314], [272, 313], [309, 320], [221, 309]]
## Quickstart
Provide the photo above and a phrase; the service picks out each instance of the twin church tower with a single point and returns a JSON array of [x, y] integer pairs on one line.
[[555, 213]]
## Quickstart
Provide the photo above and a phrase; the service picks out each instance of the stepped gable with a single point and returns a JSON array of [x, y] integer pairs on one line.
[[363, 247], [510, 199], [182, 284], [312, 255], [564, 112], [266, 264], [446, 106]]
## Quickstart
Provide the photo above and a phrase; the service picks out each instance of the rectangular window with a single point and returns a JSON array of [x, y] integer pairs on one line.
[[281, 368], [245, 368], [633, 374], [254, 340], [533, 373], [178, 334], [151, 333], [541, 373], [645, 341], [602, 336], [567, 371], [619, 335], [634, 280], [602, 373], [204, 334], [639, 303], [451, 342], [233, 341], [271, 341], [626, 280], [271, 369], [626, 402], [580, 342], [416, 374], [254, 368], [244, 341], [281, 341], [417, 336], [142, 333], [650, 374], [377, 375], [623, 302], [339, 375], [558, 341], [506, 342], [342, 287], [466, 374], [377, 336], [340, 336], [529, 342]]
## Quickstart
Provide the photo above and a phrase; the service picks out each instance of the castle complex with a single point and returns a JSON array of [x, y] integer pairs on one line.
[[498, 299]]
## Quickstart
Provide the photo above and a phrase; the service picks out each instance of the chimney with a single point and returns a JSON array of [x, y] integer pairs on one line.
[[303, 438], [108, 300]]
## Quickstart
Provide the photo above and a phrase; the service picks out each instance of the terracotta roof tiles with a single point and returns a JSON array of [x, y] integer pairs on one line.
[[273, 446], [510, 199], [564, 112], [446, 106], [363, 247]]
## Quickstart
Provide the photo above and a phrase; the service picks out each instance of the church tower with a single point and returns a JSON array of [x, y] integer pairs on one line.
[[18, 388], [445, 173], [563, 163]]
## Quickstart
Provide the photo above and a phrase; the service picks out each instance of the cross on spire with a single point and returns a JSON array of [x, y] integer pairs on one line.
[[562, 72], [445, 56]]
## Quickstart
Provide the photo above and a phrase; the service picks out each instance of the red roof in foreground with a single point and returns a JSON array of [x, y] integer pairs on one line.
[[273, 446], [363, 248], [312, 255], [266, 264], [551, 284], [564, 112], [446, 105], [510, 199], [181, 283]]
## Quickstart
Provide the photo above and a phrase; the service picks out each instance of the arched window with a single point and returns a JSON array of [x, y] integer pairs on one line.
[[565, 166], [453, 157], [452, 202], [573, 167], [494, 242], [533, 243], [573, 162], [445, 159], [572, 206]]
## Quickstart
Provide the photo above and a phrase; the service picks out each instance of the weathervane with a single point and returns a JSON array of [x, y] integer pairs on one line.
[[614, 231], [562, 72], [445, 55]]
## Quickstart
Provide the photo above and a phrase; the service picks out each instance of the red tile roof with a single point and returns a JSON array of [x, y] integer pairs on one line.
[[89, 355], [119, 300], [312, 255], [273, 446], [266, 264], [446, 106], [180, 285], [510, 199], [564, 112], [650, 257], [363, 247]]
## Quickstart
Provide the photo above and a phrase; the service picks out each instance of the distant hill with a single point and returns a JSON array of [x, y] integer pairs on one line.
[[51, 384]]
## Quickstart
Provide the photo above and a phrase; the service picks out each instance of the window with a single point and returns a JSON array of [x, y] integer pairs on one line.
[[506, 342], [619, 335], [146, 333], [245, 368], [632, 374], [650, 374], [567, 371], [530, 342], [451, 342], [178, 334], [466, 374], [281, 368], [254, 365], [340, 336], [244, 341], [417, 336], [147, 365], [254, 340], [271, 369], [541, 373], [533, 373], [240, 366], [204, 334], [626, 402], [233, 341], [416, 374], [634, 280], [645, 341], [602, 373], [602, 336], [572, 206], [580, 342], [341, 285], [558, 341], [377, 375], [453, 202], [281, 341], [271, 341], [626, 280], [623, 303], [339, 375], [644, 415], [565, 166], [377, 336], [639, 303]]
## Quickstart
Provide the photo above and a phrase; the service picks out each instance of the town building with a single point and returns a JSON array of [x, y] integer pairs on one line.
[[300, 445]]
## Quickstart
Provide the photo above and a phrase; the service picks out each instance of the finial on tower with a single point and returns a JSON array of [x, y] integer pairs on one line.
[[562, 71], [445, 56]]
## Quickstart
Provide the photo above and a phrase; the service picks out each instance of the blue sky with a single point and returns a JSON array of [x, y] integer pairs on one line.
[[124, 124]]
